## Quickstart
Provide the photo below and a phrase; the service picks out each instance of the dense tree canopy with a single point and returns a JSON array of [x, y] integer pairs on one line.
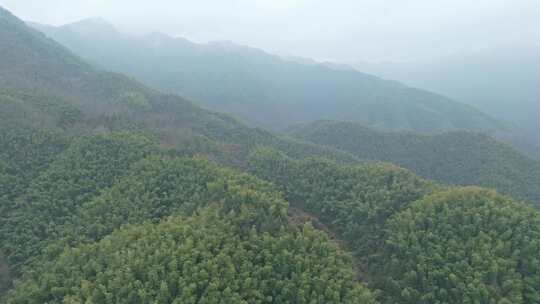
[[79, 173], [201, 259], [65, 92], [157, 187], [104, 200], [25, 153], [464, 246], [281, 258], [457, 158], [467, 245], [354, 200]]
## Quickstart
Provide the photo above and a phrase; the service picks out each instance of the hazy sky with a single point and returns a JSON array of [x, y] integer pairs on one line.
[[336, 30]]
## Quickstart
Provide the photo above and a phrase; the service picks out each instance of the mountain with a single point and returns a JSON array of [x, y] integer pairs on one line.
[[69, 132], [502, 82], [45, 85], [210, 218], [262, 88], [455, 158], [111, 192], [414, 241]]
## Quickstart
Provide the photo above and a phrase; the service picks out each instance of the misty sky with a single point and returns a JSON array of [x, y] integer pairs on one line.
[[335, 30]]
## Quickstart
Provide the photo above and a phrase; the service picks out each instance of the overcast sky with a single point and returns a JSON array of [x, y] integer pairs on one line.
[[335, 30]]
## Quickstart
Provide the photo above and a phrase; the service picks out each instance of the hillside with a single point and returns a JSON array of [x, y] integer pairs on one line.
[[69, 131], [456, 158], [111, 192], [227, 227], [262, 88], [501, 81], [44, 85], [414, 241]]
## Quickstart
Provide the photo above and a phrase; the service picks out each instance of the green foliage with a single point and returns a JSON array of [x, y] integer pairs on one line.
[[501, 81], [244, 246], [464, 246], [134, 99], [37, 109], [112, 219], [86, 167], [459, 246], [156, 188], [5, 279], [63, 94], [458, 158], [354, 201], [263, 88], [197, 260], [25, 153]]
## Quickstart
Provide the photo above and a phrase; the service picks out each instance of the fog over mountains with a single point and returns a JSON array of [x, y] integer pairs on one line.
[[116, 189], [503, 82], [262, 88]]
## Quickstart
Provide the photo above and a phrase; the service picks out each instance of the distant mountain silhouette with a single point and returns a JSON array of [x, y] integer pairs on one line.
[[264, 89]]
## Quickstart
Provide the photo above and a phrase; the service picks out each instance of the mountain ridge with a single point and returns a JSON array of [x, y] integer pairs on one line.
[[501, 81], [111, 192], [46, 81], [267, 90], [455, 158]]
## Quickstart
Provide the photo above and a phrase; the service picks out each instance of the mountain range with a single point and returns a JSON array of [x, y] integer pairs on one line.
[[500, 81], [45, 85], [265, 89], [114, 192], [453, 158]]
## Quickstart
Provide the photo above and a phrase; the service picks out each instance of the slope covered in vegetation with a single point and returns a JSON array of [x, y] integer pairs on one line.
[[462, 245], [355, 201], [501, 81], [25, 153], [69, 132], [457, 158], [45, 85], [102, 201], [262, 88], [86, 167], [201, 259], [240, 249]]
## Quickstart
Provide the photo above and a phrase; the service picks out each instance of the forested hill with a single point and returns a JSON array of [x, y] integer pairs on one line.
[[413, 241], [501, 81], [458, 158], [113, 219], [44, 85], [265, 89], [106, 198]]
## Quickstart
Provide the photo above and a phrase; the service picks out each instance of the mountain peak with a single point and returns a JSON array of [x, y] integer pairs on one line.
[[94, 24]]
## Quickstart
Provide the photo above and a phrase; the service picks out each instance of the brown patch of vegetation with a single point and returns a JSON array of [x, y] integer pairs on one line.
[[299, 216]]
